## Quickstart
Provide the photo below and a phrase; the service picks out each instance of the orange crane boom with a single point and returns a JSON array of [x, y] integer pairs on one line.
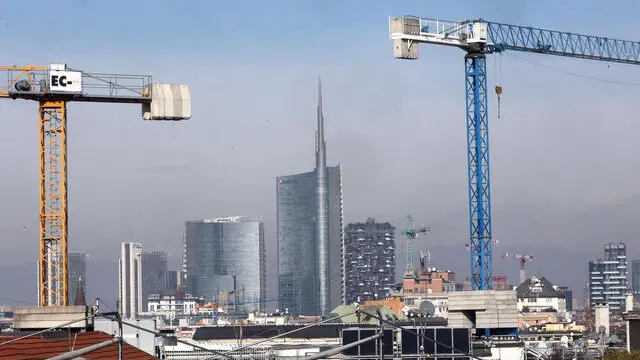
[[53, 86]]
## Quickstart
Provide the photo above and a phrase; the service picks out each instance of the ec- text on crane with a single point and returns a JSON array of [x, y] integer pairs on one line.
[[52, 86], [478, 38]]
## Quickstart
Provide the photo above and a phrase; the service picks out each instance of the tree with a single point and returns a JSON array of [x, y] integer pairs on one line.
[[621, 355]]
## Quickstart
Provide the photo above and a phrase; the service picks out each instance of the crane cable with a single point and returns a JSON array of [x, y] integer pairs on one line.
[[570, 73], [497, 64]]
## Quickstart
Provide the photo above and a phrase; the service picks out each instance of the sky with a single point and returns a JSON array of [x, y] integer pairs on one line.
[[563, 152]]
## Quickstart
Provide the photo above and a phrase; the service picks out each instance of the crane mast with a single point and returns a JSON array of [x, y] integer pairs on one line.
[[53, 86], [411, 233], [478, 38], [523, 260]]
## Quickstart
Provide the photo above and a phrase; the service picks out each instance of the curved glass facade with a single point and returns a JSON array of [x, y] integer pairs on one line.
[[297, 246], [219, 249], [297, 250]]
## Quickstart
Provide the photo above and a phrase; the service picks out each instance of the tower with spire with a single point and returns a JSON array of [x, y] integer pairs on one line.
[[322, 207], [310, 233]]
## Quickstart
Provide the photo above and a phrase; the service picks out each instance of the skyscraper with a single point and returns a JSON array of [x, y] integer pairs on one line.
[[310, 235], [77, 271], [608, 278], [370, 261], [227, 256], [635, 277], [130, 276], [154, 274], [568, 296]]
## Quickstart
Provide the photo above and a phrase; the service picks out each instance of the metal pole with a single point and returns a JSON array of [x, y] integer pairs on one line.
[[74, 354], [380, 342], [456, 351], [325, 354], [277, 336], [45, 330], [121, 335], [181, 341]]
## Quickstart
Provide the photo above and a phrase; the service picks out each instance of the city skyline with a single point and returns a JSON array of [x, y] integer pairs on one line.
[[397, 137]]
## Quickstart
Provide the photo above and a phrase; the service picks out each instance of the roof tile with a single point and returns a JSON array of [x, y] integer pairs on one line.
[[36, 348]]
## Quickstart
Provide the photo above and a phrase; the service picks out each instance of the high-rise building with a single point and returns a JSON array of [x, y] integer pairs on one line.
[[568, 296], [77, 273], [227, 256], [154, 274], [635, 276], [370, 261], [608, 277], [310, 235], [174, 281], [130, 275]]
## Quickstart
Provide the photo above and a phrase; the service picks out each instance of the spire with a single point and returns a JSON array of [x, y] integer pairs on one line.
[[320, 144], [79, 299]]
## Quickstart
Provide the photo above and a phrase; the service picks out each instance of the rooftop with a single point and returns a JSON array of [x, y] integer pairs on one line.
[[535, 287], [56, 343]]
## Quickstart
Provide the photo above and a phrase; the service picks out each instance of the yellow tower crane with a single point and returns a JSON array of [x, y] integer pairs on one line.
[[52, 86]]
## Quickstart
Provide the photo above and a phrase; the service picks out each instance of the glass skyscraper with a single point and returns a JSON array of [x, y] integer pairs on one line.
[[227, 255], [310, 235], [154, 275], [77, 273]]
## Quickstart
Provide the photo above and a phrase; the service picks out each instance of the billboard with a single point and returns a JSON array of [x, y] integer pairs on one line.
[[65, 81]]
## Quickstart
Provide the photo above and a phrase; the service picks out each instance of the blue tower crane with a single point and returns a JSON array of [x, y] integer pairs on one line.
[[479, 38]]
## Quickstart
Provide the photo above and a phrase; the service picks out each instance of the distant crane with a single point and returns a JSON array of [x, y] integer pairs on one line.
[[53, 86], [479, 38], [411, 235], [523, 259]]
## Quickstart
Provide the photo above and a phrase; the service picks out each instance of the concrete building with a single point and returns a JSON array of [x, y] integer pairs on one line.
[[370, 261], [227, 255], [429, 281], [310, 235], [77, 273], [608, 277], [495, 310], [130, 279], [154, 274], [500, 282], [179, 304]]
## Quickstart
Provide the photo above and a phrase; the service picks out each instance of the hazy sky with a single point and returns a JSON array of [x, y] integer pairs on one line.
[[563, 152]]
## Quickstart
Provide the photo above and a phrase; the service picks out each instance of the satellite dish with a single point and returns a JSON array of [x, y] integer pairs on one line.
[[427, 308], [613, 339]]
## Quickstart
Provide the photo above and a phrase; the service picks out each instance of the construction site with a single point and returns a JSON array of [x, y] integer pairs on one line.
[[340, 296]]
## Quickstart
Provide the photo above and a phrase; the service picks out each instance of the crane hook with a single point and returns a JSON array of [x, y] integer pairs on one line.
[[498, 92]]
